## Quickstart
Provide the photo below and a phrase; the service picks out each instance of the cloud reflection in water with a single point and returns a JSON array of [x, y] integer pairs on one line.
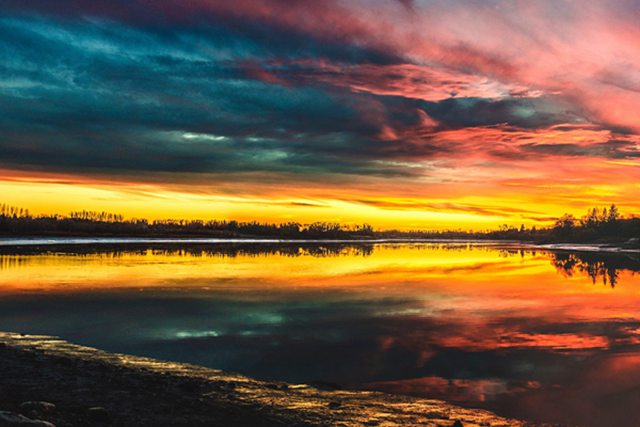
[[513, 330]]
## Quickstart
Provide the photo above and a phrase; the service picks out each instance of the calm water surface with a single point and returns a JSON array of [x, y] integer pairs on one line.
[[533, 334]]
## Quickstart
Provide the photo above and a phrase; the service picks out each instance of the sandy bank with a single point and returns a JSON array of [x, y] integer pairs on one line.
[[137, 391]]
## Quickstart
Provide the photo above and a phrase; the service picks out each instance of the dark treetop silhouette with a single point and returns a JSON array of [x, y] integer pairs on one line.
[[604, 225]]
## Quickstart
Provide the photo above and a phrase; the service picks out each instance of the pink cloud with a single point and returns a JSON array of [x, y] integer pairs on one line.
[[586, 53]]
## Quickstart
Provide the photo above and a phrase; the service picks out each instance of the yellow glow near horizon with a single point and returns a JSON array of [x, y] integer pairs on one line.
[[65, 198], [383, 204]]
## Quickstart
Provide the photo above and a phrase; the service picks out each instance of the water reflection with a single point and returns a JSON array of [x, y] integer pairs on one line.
[[200, 250], [518, 331], [599, 267]]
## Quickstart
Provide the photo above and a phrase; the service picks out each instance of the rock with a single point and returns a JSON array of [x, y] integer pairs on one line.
[[634, 242], [9, 419], [325, 386], [98, 414], [37, 407], [457, 423], [334, 405]]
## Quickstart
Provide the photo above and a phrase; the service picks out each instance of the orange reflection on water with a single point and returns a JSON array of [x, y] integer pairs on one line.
[[347, 268], [499, 326], [462, 283], [461, 279]]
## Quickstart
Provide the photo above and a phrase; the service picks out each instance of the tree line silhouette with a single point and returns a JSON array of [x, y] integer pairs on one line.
[[19, 222], [597, 225]]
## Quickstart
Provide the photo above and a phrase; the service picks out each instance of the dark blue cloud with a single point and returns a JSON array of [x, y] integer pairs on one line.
[[95, 88]]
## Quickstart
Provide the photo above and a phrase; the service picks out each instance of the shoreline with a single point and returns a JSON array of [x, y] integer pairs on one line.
[[93, 387], [85, 240], [35, 243]]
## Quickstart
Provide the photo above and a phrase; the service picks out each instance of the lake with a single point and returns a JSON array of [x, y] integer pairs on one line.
[[527, 332]]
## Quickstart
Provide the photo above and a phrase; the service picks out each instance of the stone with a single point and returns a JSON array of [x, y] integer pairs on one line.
[[37, 407], [334, 405], [10, 419], [457, 423]]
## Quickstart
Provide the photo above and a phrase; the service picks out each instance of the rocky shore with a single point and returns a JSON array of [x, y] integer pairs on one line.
[[45, 381]]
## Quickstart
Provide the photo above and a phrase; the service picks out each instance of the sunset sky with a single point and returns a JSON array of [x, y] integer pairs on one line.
[[404, 114]]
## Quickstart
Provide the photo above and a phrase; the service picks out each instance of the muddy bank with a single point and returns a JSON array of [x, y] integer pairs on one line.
[[93, 387]]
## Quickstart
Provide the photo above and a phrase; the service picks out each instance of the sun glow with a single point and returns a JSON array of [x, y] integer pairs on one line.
[[448, 207]]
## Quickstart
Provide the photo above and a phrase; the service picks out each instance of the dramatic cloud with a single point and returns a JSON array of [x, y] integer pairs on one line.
[[437, 91]]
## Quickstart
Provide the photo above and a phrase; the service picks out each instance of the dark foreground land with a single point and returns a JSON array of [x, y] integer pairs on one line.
[[91, 387]]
